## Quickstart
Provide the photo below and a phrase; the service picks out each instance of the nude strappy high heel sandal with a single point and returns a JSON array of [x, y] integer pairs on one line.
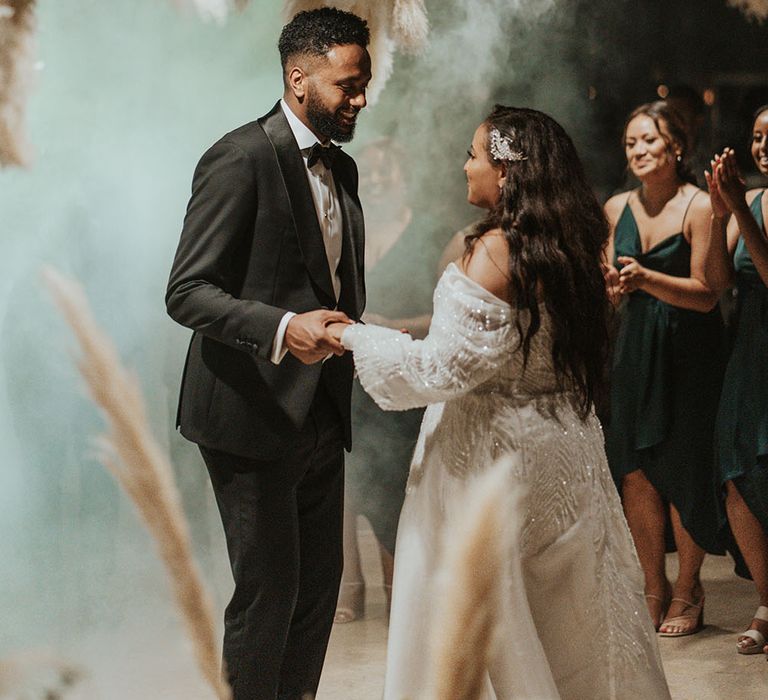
[[744, 647], [680, 620]]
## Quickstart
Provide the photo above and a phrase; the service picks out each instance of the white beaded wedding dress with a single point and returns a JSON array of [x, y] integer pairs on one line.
[[577, 626]]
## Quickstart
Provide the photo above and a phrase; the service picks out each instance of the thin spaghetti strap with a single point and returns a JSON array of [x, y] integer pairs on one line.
[[690, 201]]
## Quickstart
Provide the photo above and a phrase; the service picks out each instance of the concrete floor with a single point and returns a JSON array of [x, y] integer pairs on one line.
[[150, 657], [704, 666]]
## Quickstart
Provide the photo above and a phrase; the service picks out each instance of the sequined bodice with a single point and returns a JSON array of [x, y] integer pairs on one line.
[[469, 370], [511, 379]]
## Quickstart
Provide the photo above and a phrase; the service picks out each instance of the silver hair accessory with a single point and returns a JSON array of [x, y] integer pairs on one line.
[[501, 147]]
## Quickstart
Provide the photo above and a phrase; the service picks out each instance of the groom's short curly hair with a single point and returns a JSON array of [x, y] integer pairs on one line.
[[314, 32]]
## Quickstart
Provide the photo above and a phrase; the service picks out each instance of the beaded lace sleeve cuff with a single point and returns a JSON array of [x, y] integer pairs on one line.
[[471, 333]]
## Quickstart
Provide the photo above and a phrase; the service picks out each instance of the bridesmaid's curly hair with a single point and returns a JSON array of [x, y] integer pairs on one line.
[[556, 232]]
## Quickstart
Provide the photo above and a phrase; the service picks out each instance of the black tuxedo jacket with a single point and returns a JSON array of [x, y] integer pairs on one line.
[[251, 249]]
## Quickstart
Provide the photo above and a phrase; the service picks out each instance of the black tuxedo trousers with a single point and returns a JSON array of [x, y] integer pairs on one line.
[[283, 525]]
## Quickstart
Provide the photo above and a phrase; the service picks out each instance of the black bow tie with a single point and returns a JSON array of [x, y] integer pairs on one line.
[[327, 154]]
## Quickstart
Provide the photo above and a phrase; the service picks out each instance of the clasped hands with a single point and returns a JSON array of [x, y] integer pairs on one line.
[[631, 277], [312, 336]]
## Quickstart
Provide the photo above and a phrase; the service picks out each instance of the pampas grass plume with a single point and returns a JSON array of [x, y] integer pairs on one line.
[[410, 26], [215, 10], [17, 29], [138, 463], [476, 548], [752, 8]]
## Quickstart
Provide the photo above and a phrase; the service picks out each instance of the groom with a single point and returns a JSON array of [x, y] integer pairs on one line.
[[271, 252]]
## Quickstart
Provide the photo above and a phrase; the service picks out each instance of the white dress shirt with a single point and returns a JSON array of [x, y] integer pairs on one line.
[[326, 201]]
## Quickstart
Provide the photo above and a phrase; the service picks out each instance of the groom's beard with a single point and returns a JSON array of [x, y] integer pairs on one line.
[[328, 123]]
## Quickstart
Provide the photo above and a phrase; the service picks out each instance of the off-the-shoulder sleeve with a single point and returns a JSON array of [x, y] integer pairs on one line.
[[469, 337]]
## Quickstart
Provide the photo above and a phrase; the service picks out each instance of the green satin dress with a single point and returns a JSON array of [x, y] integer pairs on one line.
[[666, 376], [742, 421]]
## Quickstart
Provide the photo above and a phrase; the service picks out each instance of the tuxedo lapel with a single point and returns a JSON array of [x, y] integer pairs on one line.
[[294, 176], [352, 299]]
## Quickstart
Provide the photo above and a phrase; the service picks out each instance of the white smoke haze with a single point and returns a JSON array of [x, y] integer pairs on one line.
[[130, 97], [477, 51]]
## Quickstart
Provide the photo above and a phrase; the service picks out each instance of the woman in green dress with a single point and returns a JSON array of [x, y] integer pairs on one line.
[[401, 251], [739, 255], [667, 367]]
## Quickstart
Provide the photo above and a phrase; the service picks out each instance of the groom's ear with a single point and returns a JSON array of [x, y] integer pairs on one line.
[[297, 82]]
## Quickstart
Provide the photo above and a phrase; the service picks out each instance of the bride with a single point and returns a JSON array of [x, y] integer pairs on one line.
[[512, 365]]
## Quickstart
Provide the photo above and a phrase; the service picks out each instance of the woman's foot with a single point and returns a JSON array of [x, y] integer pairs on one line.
[[658, 602], [752, 641], [351, 603], [685, 615]]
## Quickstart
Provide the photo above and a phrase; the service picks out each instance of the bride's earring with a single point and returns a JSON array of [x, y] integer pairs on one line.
[[502, 179]]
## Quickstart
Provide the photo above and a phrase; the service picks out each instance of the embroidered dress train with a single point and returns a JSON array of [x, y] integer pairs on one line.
[[577, 625]]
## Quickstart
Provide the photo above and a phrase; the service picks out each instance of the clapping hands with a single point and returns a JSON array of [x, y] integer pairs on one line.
[[726, 185]]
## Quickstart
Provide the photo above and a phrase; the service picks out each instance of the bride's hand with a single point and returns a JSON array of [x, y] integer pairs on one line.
[[336, 329]]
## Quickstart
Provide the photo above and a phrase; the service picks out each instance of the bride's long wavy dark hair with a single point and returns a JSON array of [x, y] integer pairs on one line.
[[556, 232]]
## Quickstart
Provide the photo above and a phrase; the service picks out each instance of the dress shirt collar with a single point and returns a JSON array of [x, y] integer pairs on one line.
[[301, 132]]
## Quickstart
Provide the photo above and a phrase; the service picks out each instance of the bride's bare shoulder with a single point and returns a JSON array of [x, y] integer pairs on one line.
[[487, 263]]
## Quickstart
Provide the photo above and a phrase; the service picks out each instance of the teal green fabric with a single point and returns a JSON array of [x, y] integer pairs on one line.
[[666, 377], [742, 421]]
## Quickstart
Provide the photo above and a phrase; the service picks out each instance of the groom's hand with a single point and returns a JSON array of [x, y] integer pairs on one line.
[[307, 336]]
